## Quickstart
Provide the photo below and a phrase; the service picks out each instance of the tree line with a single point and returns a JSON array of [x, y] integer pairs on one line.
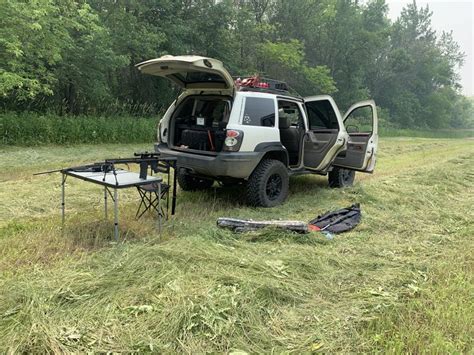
[[78, 57]]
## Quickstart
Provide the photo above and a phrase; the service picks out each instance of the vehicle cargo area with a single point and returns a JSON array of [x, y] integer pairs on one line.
[[199, 123]]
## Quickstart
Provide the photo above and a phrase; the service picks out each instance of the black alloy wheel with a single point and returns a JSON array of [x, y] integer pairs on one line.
[[340, 177], [268, 185], [274, 186]]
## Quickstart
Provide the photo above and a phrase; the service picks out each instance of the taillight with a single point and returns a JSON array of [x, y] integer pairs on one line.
[[233, 140]]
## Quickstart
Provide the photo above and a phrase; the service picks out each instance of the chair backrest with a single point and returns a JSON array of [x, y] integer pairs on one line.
[[284, 122]]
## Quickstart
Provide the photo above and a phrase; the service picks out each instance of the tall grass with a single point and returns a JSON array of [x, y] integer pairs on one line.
[[35, 129], [28, 129]]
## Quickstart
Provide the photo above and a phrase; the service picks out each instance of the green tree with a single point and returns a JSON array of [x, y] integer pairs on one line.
[[80, 56], [32, 41], [422, 77], [55, 52], [286, 61]]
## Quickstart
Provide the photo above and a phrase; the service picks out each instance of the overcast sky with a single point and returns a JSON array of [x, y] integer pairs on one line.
[[456, 15]]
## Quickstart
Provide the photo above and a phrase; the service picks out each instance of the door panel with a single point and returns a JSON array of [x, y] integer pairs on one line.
[[361, 149], [323, 139], [316, 146], [355, 153]]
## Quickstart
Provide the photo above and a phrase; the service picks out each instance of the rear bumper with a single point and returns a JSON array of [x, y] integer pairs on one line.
[[237, 165]]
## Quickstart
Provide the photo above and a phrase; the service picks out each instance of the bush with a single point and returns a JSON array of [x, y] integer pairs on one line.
[[35, 129]]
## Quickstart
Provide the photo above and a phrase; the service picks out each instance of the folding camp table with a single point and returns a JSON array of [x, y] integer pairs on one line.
[[118, 179], [107, 175]]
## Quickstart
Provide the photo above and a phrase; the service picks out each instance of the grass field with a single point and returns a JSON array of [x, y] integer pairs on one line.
[[401, 282]]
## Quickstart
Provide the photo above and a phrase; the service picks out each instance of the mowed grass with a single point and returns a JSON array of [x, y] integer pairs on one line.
[[402, 281]]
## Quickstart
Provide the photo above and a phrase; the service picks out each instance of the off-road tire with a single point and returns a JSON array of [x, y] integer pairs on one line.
[[268, 184], [188, 182], [340, 177]]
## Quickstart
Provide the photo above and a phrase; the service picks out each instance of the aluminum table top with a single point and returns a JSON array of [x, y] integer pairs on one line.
[[121, 179]]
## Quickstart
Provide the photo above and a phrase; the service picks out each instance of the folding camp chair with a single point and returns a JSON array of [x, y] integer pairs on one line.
[[150, 195]]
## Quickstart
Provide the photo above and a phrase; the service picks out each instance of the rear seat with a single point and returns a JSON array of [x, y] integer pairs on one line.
[[290, 138]]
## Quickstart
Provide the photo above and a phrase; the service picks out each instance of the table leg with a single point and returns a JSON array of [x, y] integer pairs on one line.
[[105, 202], [168, 193], [116, 232], [159, 208], [173, 201], [63, 192]]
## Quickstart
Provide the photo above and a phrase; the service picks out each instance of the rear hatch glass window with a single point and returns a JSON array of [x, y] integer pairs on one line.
[[199, 77]]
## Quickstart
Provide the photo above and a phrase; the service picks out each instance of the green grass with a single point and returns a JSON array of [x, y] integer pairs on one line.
[[30, 129], [401, 282]]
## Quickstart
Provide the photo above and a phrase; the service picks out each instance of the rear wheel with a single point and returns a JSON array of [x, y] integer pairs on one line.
[[340, 177], [268, 184], [189, 182]]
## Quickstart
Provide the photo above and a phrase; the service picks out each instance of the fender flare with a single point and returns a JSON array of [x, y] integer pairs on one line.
[[276, 150]]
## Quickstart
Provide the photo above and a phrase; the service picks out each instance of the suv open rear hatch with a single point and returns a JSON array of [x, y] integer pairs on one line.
[[190, 72]]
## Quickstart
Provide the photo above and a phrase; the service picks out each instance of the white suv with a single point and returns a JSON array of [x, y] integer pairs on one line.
[[222, 130]]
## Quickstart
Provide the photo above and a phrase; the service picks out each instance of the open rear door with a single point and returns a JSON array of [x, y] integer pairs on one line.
[[323, 138], [361, 124], [190, 72]]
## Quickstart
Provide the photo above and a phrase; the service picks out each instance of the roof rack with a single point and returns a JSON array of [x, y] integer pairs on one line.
[[256, 83], [269, 91]]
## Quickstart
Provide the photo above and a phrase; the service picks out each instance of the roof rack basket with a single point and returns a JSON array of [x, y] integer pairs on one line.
[[256, 83]]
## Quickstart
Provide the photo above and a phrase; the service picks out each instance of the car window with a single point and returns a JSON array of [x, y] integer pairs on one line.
[[259, 112], [360, 120], [198, 77], [321, 115], [185, 109], [203, 111], [289, 109]]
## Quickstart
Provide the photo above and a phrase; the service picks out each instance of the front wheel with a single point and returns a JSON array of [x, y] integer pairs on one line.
[[268, 184], [340, 177]]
